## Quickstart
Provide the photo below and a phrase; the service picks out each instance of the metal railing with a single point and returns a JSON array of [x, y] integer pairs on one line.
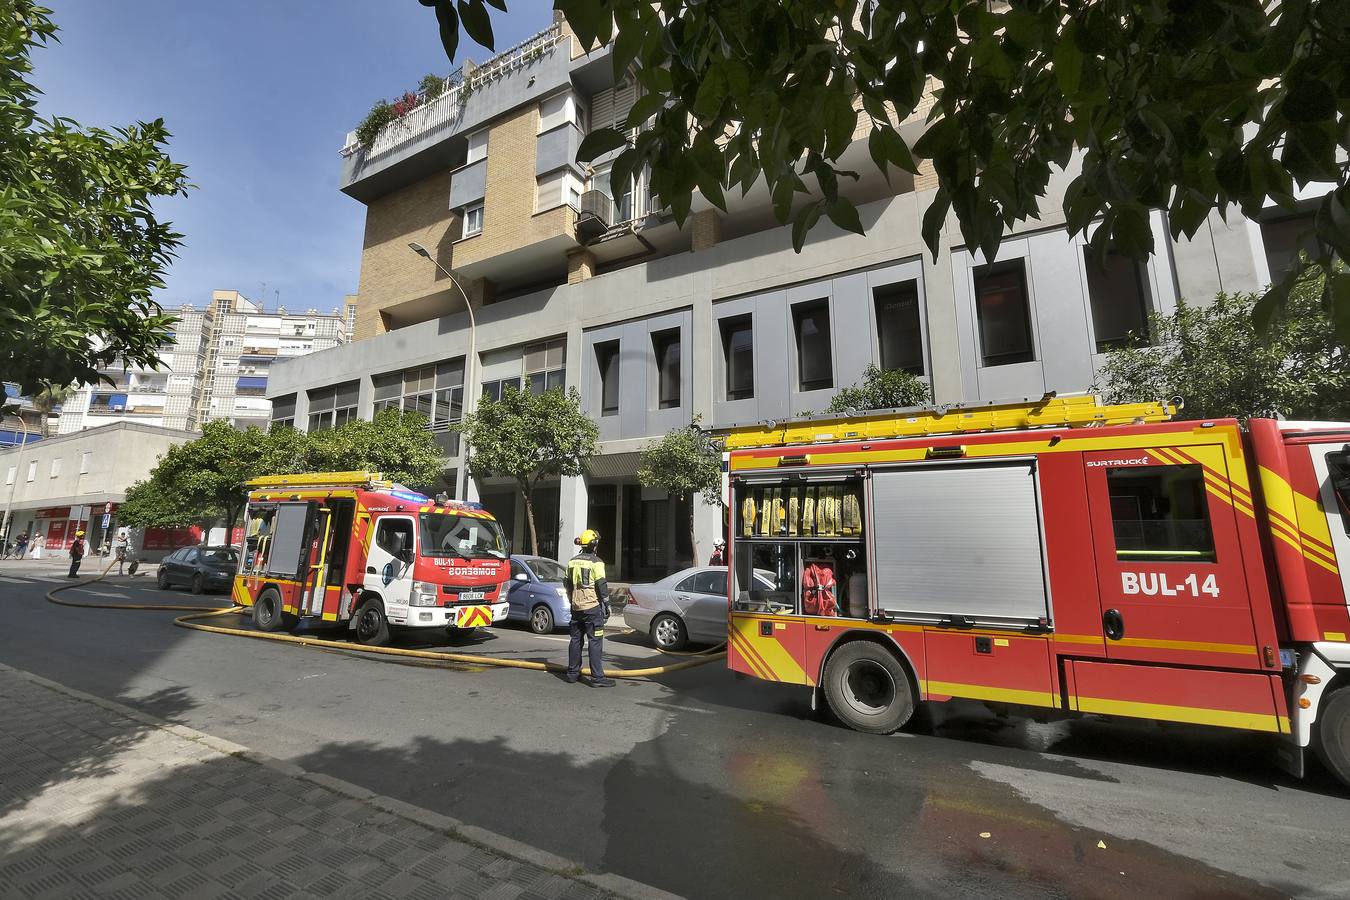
[[432, 114]]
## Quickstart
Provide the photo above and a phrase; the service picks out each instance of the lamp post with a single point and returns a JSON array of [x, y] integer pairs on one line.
[[470, 393], [18, 461]]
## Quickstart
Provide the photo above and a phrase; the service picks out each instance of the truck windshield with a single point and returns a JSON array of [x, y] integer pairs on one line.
[[448, 534]]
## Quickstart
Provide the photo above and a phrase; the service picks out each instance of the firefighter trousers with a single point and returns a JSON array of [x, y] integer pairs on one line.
[[587, 625]]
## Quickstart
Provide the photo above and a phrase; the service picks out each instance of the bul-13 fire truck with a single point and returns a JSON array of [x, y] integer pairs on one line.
[[1058, 554], [352, 550]]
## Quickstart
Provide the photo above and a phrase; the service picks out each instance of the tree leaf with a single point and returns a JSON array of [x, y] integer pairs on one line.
[[803, 221], [843, 213], [448, 21], [599, 142], [476, 21]]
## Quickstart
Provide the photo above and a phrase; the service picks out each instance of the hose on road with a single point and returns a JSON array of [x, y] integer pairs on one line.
[[197, 612]]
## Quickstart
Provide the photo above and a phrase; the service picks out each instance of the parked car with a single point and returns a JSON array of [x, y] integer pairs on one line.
[[200, 568], [690, 605], [537, 595]]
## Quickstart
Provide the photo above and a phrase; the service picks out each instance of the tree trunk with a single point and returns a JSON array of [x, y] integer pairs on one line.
[[693, 540], [528, 490]]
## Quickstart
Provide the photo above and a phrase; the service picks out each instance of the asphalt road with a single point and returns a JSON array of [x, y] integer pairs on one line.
[[710, 786]]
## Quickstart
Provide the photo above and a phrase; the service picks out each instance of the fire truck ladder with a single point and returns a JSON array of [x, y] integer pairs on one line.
[[1050, 411], [373, 480]]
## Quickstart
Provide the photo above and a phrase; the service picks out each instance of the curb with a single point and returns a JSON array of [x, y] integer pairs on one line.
[[481, 838]]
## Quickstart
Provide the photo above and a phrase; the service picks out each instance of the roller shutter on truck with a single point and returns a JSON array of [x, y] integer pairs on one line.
[[960, 541]]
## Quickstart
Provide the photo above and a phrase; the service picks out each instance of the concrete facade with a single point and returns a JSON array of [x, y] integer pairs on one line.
[[615, 296]]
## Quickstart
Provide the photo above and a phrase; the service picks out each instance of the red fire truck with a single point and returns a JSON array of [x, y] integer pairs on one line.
[[354, 551], [1058, 554]]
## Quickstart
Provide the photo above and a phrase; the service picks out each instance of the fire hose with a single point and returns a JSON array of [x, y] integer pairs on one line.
[[195, 613]]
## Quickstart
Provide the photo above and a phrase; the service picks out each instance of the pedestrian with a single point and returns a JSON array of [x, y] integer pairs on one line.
[[21, 546], [38, 543], [588, 594], [77, 549], [719, 554], [119, 548]]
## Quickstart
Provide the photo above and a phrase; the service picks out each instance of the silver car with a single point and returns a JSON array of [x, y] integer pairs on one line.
[[690, 605]]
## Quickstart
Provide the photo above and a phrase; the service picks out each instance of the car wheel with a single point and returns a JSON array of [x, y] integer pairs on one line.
[[669, 633], [372, 628], [268, 614], [198, 584], [162, 580], [1332, 741], [541, 619], [868, 689]]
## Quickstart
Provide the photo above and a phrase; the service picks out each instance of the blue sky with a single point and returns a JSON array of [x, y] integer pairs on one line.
[[259, 95]]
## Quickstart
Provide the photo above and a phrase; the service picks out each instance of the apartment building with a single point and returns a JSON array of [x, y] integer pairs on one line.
[[574, 283], [216, 367]]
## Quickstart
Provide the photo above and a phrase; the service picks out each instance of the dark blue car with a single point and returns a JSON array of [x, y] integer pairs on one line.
[[537, 595]]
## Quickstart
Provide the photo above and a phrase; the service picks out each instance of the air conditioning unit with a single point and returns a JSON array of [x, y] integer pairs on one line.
[[597, 210]]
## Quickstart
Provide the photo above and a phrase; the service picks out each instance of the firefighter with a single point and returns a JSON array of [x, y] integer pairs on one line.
[[588, 594], [76, 554], [719, 554]]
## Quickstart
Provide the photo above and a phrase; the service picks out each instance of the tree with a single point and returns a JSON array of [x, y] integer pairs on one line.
[[204, 478], [1214, 359], [686, 462], [46, 401], [81, 249], [528, 437], [1190, 107], [882, 389], [396, 444]]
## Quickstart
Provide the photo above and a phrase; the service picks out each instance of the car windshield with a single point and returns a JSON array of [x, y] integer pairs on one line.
[[224, 556], [548, 570], [449, 534]]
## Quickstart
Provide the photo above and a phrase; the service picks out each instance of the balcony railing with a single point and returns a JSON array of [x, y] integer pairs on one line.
[[437, 112]]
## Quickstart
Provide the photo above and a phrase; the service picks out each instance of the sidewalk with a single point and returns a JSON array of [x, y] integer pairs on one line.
[[97, 799]]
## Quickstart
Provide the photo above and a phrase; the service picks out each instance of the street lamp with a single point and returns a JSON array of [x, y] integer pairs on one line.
[[470, 395]]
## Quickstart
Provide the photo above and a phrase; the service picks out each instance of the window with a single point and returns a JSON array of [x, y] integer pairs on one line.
[[32, 469], [557, 110], [334, 406], [283, 412], [473, 220], [666, 349], [711, 583], [1119, 301], [56, 467], [1004, 314], [436, 392], [85, 459], [1160, 513], [388, 531], [518, 569], [478, 142], [13, 473], [899, 333], [1338, 471], [815, 363], [607, 361], [557, 188], [544, 366], [738, 356], [495, 390]]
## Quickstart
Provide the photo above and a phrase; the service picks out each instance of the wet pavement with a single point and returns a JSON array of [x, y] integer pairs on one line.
[[707, 785]]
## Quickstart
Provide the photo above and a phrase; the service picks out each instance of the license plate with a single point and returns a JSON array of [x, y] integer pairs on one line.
[[472, 595]]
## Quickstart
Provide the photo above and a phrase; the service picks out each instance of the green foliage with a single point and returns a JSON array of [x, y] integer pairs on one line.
[[685, 462], [1188, 107], [380, 115], [205, 477], [882, 389], [431, 86], [81, 249], [1214, 359], [528, 437], [46, 401]]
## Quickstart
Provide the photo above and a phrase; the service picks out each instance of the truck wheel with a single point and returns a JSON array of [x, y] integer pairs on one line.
[[372, 628], [868, 689], [669, 633], [1332, 740], [267, 612], [541, 620]]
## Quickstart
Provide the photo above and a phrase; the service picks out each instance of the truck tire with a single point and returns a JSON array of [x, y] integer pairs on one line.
[[868, 689], [267, 612], [370, 625], [1332, 739]]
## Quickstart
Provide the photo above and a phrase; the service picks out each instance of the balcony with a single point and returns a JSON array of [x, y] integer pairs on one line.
[[433, 133]]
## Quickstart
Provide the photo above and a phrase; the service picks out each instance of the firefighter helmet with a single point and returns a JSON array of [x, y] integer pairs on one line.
[[589, 538]]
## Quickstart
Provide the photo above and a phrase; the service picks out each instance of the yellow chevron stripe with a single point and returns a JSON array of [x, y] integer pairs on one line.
[[748, 655], [777, 659], [1192, 714]]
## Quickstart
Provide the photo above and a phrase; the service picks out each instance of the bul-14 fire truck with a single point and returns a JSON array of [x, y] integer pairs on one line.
[[352, 550], [1058, 554]]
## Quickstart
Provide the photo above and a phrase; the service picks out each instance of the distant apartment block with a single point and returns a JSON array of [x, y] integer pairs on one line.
[[215, 368], [580, 283]]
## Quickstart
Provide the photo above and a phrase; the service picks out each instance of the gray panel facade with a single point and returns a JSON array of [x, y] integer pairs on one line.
[[557, 149], [468, 184], [639, 413]]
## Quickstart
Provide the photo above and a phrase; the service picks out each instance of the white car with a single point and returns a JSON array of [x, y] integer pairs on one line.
[[689, 606]]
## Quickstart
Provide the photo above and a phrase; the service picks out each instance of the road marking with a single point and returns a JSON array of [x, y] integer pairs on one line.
[[112, 594]]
